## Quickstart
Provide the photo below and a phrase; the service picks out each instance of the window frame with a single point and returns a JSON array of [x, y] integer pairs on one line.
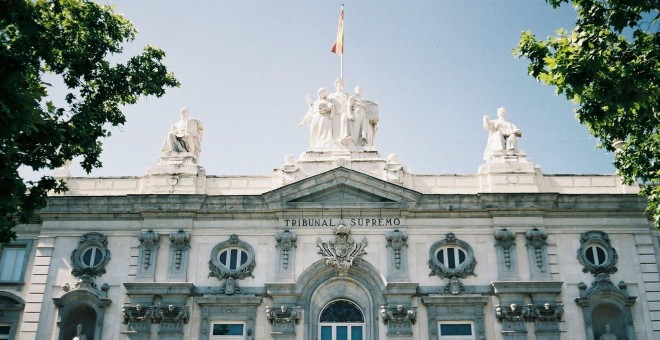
[[591, 241], [461, 270], [17, 244], [227, 337], [221, 271], [456, 337]]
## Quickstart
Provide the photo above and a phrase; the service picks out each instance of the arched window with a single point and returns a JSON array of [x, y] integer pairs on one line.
[[341, 320]]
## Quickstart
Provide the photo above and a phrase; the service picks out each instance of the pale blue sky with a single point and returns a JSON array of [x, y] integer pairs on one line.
[[434, 67]]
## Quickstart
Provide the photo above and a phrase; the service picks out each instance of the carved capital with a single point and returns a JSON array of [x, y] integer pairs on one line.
[[283, 314], [513, 313], [548, 312], [398, 314], [171, 314], [137, 314]]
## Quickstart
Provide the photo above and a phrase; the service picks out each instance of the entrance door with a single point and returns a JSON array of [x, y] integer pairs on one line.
[[341, 320]]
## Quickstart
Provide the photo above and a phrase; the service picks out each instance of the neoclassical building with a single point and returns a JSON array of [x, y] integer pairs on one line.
[[339, 243]]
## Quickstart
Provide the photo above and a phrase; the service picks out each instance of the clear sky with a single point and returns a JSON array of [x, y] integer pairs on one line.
[[435, 68]]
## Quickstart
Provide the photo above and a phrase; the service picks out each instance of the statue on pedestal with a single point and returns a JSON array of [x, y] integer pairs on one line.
[[358, 124], [185, 136], [502, 136], [79, 335], [320, 117]]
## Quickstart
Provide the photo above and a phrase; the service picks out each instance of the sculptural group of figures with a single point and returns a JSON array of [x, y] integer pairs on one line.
[[341, 120]]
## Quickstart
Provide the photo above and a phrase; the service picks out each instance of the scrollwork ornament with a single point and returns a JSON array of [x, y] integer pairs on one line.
[[342, 251]]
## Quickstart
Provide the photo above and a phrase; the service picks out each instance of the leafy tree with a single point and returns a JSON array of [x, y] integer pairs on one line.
[[71, 40], [609, 65]]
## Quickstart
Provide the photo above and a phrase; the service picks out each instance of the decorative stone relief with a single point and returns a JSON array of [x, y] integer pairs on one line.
[[341, 251], [505, 245], [606, 304], [537, 252], [232, 260], [393, 170], [138, 318], [283, 319], [289, 171], [398, 319], [148, 253], [286, 242], [512, 313], [397, 241], [90, 258], [546, 320], [596, 253], [463, 262], [171, 318], [179, 247]]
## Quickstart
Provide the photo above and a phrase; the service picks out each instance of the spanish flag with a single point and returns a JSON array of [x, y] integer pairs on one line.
[[338, 47]]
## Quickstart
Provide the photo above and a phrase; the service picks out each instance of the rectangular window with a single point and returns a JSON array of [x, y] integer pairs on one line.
[[4, 331], [12, 262], [456, 330], [227, 331]]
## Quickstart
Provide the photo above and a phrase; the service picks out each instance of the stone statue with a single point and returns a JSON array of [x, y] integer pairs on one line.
[[320, 117], [607, 335], [502, 136], [356, 126], [184, 136], [79, 335], [339, 102]]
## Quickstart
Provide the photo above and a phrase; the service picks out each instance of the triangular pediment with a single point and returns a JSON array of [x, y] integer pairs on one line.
[[341, 187]]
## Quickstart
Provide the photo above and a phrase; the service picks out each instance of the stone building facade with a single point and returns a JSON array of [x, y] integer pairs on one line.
[[337, 244]]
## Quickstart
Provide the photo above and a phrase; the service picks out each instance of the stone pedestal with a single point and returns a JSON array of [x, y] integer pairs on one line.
[[314, 162], [508, 173], [178, 174]]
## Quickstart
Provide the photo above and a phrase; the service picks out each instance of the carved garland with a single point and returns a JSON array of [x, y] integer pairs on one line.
[[341, 251], [149, 240], [180, 242], [396, 240], [536, 239], [286, 240], [505, 239]]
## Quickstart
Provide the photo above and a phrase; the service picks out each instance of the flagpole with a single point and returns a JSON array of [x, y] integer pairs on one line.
[[341, 58], [338, 47]]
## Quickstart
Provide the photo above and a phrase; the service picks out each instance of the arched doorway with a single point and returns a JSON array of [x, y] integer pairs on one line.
[[341, 320]]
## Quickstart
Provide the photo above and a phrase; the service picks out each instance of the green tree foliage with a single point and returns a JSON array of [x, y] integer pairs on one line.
[[72, 40], [609, 65]]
